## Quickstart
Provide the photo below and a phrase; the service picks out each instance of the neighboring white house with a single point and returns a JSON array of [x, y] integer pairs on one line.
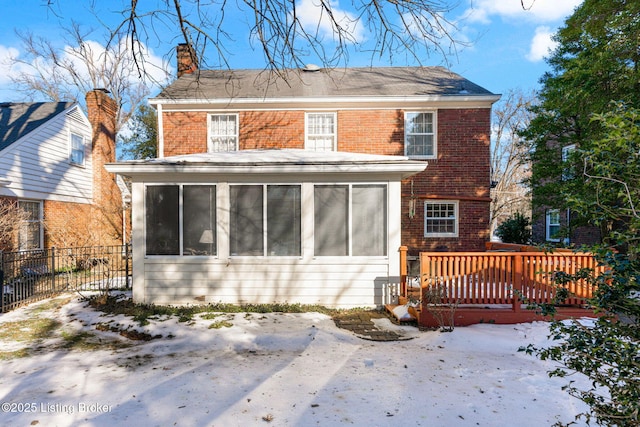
[[264, 226], [45, 155]]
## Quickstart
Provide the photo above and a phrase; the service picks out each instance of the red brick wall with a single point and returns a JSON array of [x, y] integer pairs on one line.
[[461, 171]]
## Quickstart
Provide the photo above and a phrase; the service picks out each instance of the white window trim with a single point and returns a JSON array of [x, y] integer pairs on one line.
[[350, 186], [334, 146], [84, 148], [434, 114], [210, 136], [264, 186], [456, 219], [567, 172], [40, 222], [180, 186], [547, 225]]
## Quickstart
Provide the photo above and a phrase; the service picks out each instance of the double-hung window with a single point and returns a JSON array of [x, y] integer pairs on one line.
[[30, 232], [180, 220], [76, 149], [265, 220], [350, 220], [440, 219], [223, 132], [320, 132], [568, 169], [553, 225], [420, 135]]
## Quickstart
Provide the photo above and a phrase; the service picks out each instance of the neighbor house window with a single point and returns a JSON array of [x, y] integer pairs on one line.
[[553, 225], [350, 220], [223, 132], [167, 207], [265, 220], [568, 170], [320, 131], [419, 134], [76, 149], [440, 219], [30, 233]]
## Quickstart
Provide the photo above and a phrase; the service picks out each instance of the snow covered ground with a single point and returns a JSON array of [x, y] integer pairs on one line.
[[276, 369]]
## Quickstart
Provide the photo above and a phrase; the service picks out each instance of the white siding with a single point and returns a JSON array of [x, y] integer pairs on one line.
[[341, 283], [38, 166]]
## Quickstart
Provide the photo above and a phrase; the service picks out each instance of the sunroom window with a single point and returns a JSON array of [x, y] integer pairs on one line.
[[350, 220], [162, 220], [265, 220], [419, 134]]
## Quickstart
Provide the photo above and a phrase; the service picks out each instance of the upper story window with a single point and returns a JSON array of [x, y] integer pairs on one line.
[[440, 219], [223, 132], [30, 233], [568, 170], [320, 132], [76, 149], [420, 134], [553, 225]]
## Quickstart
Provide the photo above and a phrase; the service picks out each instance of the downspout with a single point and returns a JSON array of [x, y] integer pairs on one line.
[[160, 153]]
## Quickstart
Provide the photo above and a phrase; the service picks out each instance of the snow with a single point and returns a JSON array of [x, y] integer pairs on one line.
[[282, 370]]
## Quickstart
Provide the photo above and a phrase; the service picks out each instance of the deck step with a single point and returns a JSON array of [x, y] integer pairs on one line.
[[402, 313]]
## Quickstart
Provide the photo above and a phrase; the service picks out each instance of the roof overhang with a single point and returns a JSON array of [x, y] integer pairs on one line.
[[442, 101], [272, 162]]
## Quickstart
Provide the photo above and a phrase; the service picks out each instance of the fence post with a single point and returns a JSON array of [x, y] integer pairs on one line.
[[2, 278], [53, 269], [403, 270], [518, 270]]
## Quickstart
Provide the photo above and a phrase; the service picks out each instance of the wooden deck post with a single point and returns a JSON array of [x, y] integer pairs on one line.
[[403, 270], [518, 270]]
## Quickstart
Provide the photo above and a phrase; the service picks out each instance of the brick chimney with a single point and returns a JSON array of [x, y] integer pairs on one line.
[[187, 59], [102, 112]]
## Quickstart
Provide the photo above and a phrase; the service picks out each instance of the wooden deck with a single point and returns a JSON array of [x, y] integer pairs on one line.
[[494, 287]]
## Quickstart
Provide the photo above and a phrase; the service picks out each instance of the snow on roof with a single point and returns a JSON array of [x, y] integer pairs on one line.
[[272, 161]]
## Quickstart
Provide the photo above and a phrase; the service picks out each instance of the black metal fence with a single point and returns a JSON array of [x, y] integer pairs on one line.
[[29, 276]]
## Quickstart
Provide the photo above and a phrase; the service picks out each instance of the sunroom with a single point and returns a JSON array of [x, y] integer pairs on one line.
[[267, 226]]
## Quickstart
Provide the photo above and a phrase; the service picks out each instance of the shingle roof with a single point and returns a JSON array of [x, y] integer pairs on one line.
[[382, 81], [19, 118]]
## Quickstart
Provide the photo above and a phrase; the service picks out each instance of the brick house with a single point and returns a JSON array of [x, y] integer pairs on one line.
[[52, 178], [366, 159]]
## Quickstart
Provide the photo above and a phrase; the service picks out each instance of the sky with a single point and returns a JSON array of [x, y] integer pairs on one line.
[[272, 369], [503, 48]]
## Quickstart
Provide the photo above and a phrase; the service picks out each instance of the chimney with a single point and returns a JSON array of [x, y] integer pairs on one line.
[[102, 112], [187, 60]]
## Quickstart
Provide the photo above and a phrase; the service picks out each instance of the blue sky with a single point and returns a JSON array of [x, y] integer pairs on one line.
[[505, 51]]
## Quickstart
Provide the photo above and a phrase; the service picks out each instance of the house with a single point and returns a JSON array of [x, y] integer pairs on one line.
[[52, 180], [302, 189]]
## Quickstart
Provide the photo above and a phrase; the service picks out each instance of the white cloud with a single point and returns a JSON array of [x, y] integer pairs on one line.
[[314, 18], [541, 44], [533, 10], [7, 55]]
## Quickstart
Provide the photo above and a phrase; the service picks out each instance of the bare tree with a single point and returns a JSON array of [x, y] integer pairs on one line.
[[509, 168], [67, 73], [289, 31]]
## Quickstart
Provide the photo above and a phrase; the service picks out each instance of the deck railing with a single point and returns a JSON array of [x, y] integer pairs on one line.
[[28, 276], [503, 277]]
